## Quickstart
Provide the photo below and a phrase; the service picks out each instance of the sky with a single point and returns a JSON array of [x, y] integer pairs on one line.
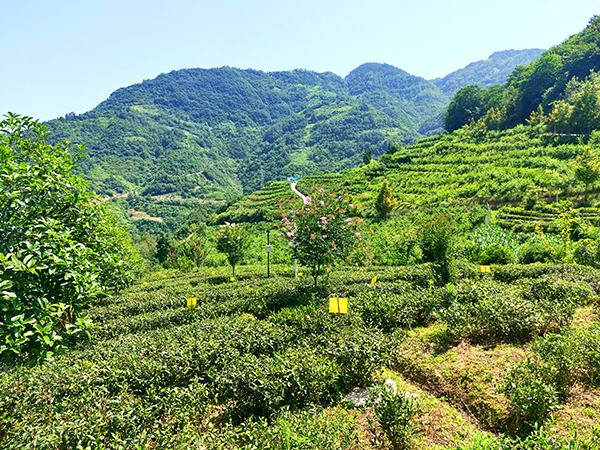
[[65, 56]]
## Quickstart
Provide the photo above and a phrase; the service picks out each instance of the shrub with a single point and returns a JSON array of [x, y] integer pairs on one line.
[[59, 249], [394, 413], [496, 254], [587, 253], [531, 394], [436, 234], [491, 310], [387, 311], [532, 252], [261, 386]]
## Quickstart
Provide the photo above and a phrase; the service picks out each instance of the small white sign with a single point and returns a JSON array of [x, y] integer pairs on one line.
[[268, 249]]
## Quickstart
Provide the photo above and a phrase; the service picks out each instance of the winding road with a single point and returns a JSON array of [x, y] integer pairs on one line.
[[297, 192]]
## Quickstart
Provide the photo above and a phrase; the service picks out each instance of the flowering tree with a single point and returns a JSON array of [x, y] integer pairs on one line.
[[322, 231], [233, 241]]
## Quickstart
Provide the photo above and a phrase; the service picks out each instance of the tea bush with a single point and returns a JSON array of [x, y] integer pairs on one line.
[[262, 386], [388, 311]]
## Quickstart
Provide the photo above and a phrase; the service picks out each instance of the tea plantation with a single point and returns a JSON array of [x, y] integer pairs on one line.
[[260, 362]]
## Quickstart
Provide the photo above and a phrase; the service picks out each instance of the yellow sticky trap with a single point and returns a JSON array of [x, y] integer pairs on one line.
[[338, 305], [374, 280], [232, 279], [191, 301], [485, 269], [247, 287], [299, 274], [328, 270], [285, 270], [213, 273]]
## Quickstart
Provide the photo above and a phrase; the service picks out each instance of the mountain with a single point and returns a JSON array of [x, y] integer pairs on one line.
[[561, 88], [488, 72], [196, 136]]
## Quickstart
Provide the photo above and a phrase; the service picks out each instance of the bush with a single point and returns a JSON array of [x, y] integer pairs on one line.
[[497, 310], [387, 311], [436, 234], [395, 413], [496, 254], [59, 249], [534, 252], [587, 253], [261, 386]]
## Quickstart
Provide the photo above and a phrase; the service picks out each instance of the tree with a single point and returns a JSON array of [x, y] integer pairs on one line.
[[322, 231], [385, 202], [587, 169], [367, 156], [436, 233], [232, 239], [468, 105], [59, 248]]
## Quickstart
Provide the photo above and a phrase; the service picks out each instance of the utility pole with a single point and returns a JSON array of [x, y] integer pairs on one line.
[[267, 232]]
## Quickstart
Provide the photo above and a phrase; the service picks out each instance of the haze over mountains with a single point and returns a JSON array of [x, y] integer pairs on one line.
[[216, 133]]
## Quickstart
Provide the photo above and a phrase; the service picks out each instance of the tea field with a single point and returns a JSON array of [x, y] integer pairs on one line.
[[505, 359]]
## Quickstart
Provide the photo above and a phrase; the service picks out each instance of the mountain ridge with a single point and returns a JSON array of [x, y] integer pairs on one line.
[[215, 134]]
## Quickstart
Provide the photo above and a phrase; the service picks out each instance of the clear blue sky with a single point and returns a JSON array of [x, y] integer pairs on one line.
[[64, 56]]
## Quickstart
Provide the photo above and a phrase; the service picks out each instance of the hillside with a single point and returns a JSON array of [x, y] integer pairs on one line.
[[213, 134], [488, 72], [560, 88]]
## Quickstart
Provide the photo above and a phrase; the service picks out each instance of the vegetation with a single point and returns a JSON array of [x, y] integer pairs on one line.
[[559, 89], [232, 240], [322, 231], [478, 296], [162, 148], [59, 250]]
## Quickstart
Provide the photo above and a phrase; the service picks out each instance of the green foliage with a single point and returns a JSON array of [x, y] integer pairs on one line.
[[436, 236], [314, 429], [59, 249], [322, 231], [532, 398], [587, 169], [532, 252], [539, 438], [518, 312], [386, 202], [562, 82], [497, 254], [233, 241], [535, 386], [395, 413]]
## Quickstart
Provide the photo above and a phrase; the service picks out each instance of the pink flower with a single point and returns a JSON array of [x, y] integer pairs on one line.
[[324, 219], [348, 219], [321, 191], [278, 235], [322, 202], [351, 206], [324, 236], [357, 234], [307, 200]]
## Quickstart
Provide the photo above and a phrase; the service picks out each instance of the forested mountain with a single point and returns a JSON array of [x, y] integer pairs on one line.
[[213, 134], [561, 88], [493, 70]]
